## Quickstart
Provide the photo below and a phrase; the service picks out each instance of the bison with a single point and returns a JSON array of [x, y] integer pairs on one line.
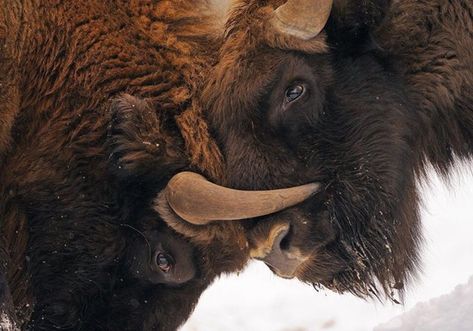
[[81, 161], [330, 109], [353, 98]]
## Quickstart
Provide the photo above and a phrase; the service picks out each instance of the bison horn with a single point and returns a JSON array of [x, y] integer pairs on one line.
[[303, 19], [199, 201]]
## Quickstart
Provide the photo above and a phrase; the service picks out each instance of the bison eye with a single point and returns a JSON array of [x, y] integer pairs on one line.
[[164, 262], [294, 92]]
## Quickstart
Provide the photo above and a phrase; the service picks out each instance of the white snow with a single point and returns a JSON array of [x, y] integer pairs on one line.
[[6, 324], [258, 300], [450, 312]]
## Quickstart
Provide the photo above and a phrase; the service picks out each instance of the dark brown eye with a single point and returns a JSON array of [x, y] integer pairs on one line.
[[164, 262], [294, 92]]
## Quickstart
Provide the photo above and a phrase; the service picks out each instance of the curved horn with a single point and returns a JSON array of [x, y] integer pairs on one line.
[[199, 201], [303, 19]]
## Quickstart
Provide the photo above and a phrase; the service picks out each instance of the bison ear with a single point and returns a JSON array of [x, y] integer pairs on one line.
[[140, 148], [352, 23]]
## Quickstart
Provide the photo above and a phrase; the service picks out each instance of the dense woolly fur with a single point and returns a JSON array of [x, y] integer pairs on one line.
[[101, 102], [81, 160]]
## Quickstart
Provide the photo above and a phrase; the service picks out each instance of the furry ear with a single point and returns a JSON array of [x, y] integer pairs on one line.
[[352, 22], [140, 147]]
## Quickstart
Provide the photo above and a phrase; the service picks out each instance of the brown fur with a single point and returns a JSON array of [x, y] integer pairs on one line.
[[432, 45]]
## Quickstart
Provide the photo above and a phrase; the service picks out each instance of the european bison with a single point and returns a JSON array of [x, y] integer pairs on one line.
[[356, 103], [81, 162]]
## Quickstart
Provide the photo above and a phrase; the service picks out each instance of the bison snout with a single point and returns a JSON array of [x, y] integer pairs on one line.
[[280, 257]]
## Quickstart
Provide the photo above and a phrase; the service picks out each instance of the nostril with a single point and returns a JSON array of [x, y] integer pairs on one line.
[[283, 259], [285, 241], [282, 240]]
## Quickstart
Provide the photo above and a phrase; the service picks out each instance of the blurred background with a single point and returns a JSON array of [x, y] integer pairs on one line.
[[258, 300]]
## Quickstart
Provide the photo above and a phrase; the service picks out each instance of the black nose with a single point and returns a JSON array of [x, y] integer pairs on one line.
[[283, 259]]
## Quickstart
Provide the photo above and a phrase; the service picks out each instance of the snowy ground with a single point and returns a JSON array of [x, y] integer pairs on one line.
[[257, 300], [450, 312]]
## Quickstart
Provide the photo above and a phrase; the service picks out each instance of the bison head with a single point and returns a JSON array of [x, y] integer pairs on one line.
[[304, 102]]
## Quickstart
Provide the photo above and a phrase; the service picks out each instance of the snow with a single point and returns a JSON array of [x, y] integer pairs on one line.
[[450, 312], [6, 324], [258, 300]]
